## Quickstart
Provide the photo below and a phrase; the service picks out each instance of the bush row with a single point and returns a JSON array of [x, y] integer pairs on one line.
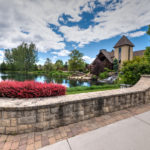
[[30, 89]]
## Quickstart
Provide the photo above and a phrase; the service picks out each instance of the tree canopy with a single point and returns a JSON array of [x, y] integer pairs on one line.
[[76, 63], [59, 64], [148, 32], [48, 66], [22, 58]]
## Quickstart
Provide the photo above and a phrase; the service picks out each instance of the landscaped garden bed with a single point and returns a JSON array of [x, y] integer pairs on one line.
[[30, 89]]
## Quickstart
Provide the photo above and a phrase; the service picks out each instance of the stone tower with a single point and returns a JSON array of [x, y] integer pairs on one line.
[[123, 50]]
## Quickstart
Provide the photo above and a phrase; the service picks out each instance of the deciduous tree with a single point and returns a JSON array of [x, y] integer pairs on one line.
[[76, 63]]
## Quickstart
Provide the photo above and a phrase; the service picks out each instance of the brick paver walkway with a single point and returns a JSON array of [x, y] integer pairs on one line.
[[36, 140]]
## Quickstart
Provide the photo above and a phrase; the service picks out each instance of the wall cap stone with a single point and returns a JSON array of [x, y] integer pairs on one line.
[[36, 103]]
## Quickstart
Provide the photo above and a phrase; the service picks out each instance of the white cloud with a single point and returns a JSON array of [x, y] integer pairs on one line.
[[54, 58], [119, 18], [88, 59], [33, 17], [136, 34], [62, 53]]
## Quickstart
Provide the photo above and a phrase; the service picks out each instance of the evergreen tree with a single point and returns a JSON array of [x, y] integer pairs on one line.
[[115, 65]]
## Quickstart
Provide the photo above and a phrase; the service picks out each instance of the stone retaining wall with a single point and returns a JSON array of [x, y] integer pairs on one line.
[[28, 115]]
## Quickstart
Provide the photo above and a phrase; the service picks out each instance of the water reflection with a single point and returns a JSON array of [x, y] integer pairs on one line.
[[37, 78]]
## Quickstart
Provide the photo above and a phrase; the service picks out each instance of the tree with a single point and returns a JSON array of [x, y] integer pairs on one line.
[[76, 63], [132, 70], [115, 65], [3, 66], [148, 32], [66, 66], [59, 65], [22, 58], [48, 66], [147, 52]]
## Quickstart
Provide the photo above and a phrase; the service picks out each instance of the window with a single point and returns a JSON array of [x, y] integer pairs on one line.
[[129, 53], [119, 54]]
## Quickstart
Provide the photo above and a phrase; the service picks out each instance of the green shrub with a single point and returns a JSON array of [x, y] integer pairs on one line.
[[103, 75], [132, 70], [59, 74]]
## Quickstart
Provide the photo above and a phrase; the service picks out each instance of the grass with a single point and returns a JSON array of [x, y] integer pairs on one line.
[[94, 88]]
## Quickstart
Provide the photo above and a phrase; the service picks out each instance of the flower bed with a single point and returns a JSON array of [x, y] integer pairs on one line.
[[30, 89]]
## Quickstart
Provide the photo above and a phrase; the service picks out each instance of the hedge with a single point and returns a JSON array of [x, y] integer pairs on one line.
[[30, 89]]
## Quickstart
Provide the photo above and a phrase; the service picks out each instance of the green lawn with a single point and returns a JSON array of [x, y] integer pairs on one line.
[[94, 88]]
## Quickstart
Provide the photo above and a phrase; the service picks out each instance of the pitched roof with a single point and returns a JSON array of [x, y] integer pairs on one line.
[[107, 55], [124, 41], [138, 53]]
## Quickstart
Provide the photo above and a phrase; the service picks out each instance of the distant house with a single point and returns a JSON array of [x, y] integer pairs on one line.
[[123, 52]]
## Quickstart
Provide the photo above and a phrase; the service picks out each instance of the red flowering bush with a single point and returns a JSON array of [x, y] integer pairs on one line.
[[30, 89]]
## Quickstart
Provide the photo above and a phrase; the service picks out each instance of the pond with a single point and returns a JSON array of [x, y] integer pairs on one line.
[[43, 78]]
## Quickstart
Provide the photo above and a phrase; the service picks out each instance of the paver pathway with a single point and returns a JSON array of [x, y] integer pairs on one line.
[[129, 134], [36, 140]]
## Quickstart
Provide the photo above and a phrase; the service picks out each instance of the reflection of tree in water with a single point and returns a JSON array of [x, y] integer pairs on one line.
[[69, 83], [18, 77], [48, 80], [58, 80], [74, 83]]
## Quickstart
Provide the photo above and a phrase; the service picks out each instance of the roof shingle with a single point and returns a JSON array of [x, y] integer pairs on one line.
[[124, 41]]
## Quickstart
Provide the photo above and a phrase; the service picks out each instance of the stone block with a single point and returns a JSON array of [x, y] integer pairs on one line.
[[5, 123], [9, 114], [54, 110], [13, 122], [11, 130], [2, 130], [27, 120], [42, 126]]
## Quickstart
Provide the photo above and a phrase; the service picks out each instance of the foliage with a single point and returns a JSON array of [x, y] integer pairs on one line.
[[66, 66], [148, 32], [81, 89], [59, 74], [48, 66], [105, 74], [22, 58], [147, 54], [94, 77], [132, 70], [76, 63], [115, 65], [3, 66], [30, 89], [59, 65]]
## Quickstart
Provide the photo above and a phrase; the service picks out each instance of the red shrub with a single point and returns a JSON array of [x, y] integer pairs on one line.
[[30, 89]]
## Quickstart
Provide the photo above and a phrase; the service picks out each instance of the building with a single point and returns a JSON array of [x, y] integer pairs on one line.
[[123, 51]]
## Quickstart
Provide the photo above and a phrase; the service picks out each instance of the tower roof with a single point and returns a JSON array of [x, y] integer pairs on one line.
[[124, 41]]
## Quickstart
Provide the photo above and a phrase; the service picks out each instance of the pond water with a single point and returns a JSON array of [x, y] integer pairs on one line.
[[43, 78]]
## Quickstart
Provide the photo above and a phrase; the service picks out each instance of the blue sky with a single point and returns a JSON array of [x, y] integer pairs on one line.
[[57, 27]]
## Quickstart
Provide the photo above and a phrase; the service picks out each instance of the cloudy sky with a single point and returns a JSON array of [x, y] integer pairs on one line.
[[59, 26]]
